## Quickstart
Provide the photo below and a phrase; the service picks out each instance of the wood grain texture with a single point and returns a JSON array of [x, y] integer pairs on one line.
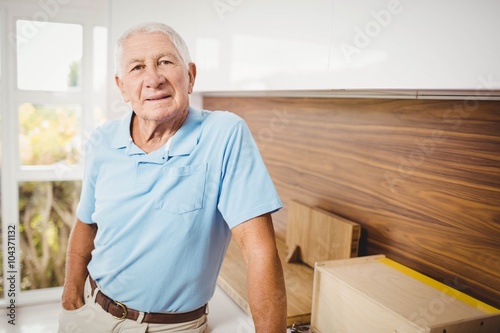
[[298, 277], [315, 235], [421, 177]]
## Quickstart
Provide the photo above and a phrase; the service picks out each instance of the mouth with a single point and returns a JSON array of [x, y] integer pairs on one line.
[[158, 98]]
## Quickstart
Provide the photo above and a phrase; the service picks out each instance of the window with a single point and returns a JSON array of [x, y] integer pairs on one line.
[[52, 59], [52, 95], [49, 134], [46, 215]]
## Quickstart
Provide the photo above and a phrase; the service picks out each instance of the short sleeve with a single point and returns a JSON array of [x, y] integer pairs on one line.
[[247, 190], [86, 205]]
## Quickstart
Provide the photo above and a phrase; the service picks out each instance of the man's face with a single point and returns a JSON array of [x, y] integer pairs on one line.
[[154, 78]]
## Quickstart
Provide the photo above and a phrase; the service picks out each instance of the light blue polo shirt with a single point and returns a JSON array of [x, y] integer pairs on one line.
[[164, 218]]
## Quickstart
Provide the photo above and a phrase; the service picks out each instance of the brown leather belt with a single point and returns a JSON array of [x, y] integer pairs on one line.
[[121, 311]]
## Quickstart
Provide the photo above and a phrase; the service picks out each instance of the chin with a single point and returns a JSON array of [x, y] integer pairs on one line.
[[159, 114]]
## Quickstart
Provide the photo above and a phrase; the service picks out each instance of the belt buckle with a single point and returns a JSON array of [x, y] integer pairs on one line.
[[124, 308]]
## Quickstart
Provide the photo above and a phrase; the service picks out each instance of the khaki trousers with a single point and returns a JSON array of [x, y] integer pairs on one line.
[[92, 318]]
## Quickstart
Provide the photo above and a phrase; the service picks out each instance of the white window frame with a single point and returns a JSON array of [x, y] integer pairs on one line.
[[89, 14]]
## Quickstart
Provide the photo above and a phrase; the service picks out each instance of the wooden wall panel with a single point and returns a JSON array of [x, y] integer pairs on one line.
[[421, 177]]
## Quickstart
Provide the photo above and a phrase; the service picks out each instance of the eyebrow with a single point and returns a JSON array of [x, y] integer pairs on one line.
[[167, 54], [157, 56]]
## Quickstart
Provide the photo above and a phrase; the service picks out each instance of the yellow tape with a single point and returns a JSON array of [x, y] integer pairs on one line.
[[440, 286]]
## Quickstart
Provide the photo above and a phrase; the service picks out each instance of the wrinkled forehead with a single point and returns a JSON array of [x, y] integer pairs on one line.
[[149, 45]]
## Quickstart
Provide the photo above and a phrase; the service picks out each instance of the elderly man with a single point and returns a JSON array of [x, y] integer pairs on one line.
[[163, 190]]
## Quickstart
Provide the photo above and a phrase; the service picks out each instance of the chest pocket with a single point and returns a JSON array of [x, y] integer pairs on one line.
[[181, 190]]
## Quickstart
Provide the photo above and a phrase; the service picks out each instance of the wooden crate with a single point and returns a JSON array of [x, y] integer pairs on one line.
[[375, 294], [317, 235], [313, 235], [298, 277]]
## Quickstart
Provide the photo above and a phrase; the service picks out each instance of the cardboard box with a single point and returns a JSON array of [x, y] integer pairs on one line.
[[375, 294]]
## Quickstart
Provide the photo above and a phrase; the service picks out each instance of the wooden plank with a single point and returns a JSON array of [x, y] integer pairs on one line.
[[378, 295], [298, 278], [316, 235]]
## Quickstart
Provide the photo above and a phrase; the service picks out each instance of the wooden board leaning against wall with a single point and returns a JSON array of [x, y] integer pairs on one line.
[[421, 177]]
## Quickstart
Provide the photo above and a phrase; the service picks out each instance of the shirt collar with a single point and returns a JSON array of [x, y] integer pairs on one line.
[[122, 136], [182, 142], [186, 138]]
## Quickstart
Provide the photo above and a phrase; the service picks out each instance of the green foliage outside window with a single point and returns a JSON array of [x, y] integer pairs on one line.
[[47, 213], [47, 136]]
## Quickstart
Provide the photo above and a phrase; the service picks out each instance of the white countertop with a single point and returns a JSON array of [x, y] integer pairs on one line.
[[225, 316]]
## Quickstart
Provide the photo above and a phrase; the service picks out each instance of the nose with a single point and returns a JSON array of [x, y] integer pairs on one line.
[[153, 77]]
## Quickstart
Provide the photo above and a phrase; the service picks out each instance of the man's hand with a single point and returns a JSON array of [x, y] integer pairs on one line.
[[81, 244], [72, 299]]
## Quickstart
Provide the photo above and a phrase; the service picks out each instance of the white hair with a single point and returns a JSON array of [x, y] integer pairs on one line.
[[151, 28]]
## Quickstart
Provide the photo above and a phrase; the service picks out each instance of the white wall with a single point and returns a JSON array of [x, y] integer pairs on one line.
[[424, 44], [243, 45], [325, 45]]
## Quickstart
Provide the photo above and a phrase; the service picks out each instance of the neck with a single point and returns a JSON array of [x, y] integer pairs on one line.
[[150, 135]]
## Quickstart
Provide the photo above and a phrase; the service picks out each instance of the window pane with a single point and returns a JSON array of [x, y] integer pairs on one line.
[[100, 58], [100, 73], [49, 56], [49, 134], [46, 214]]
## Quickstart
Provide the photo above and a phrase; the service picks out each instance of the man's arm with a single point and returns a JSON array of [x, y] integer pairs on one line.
[[81, 244], [266, 284]]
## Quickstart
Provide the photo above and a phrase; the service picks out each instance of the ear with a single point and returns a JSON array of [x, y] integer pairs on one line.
[[192, 76], [119, 84]]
